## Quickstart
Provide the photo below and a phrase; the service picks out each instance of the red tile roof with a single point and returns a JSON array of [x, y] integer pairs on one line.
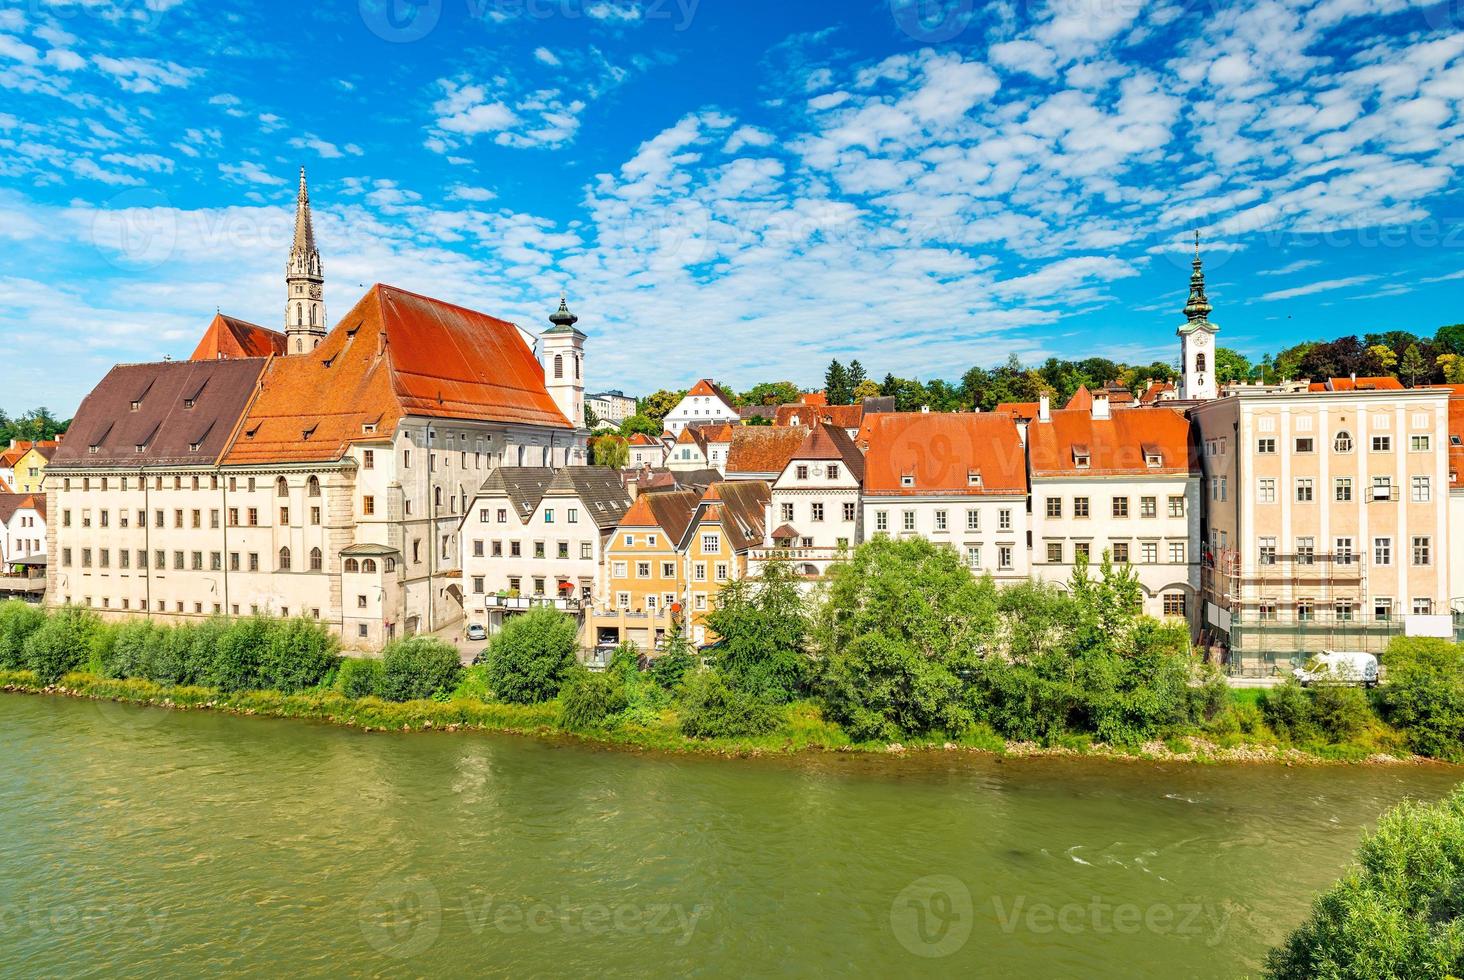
[[844, 416], [1156, 388], [1082, 400], [1019, 410], [392, 355], [939, 450], [706, 387], [741, 507], [229, 336], [669, 510], [826, 441], [763, 448], [641, 439], [4, 487], [1115, 446], [816, 398], [12, 454], [1357, 384]]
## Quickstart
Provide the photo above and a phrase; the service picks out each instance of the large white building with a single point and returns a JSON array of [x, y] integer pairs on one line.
[[612, 407], [704, 404], [22, 529], [813, 512]]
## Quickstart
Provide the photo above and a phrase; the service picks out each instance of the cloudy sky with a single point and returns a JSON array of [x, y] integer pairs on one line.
[[731, 188]]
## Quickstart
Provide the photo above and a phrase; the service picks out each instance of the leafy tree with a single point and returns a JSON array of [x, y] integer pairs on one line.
[[1397, 912], [419, 667], [763, 629], [1450, 338], [359, 677], [837, 386], [771, 393], [301, 653], [1383, 359], [60, 644], [678, 657], [659, 404], [592, 421], [529, 659], [588, 700], [712, 709], [18, 620], [611, 451], [1231, 365], [1424, 695], [1411, 365], [865, 389], [643, 424]]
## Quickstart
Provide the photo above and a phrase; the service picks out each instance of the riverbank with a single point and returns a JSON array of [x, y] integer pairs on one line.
[[805, 730]]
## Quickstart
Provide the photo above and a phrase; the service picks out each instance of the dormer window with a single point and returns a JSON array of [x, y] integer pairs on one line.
[[1154, 461], [1081, 459], [1456, 441], [136, 405], [973, 478], [93, 449], [309, 432], [193, 447], [907, 479], [188, 403], [369, 428], [140, 448], [251, 433]]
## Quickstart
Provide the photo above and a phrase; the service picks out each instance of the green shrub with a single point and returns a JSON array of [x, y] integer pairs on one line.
[[588, 700], [18, 620], [1341, 711], [711, 709], [300, 653], [359, 678], [530, 657], [1397, 913], [764, 628], [236, 665], [205, 638], [130, 649], [419, 667], [1424, 696], [1288, 710], [60, 645], [677, 658], [169, 658]]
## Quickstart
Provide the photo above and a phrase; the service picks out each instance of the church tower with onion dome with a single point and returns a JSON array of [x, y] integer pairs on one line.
[[1197, 339], [563, 347]]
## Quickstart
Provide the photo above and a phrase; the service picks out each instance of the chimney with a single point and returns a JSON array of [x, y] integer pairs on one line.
[[1044, 409], [1100, 406]]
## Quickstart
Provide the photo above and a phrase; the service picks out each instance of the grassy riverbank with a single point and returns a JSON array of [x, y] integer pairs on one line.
[[802, 727]]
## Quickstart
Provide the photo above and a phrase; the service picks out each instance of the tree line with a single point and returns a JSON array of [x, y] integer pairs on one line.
[[34, 425]]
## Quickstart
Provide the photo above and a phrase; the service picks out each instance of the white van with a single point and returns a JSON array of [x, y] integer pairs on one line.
[[1334, 667]]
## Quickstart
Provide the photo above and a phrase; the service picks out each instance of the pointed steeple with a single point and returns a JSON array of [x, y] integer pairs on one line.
[[304, 281], [1198, 308]]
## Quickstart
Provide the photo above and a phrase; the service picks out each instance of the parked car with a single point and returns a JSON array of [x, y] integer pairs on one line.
[[477, 631], [1335, 667]]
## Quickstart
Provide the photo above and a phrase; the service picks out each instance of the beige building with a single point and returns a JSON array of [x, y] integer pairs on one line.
[[1326, 520]]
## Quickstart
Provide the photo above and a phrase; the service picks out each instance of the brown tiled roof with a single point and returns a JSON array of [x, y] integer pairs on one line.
[[392, 355], [670, 510], [758, 411], [179, 404], [741, 507], [9, 504], [826, 441], [1357, 384], [1156, 388], [46, 448], [939, 450], [1115, 446], [4, 487], [600, 490], [844, 416], [229, 336], [706, 387], [763, 448]]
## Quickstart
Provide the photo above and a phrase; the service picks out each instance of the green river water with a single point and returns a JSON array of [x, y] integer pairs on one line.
[[140, 842]]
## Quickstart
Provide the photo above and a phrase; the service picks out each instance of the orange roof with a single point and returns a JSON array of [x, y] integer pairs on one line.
[[844, 416], [1118, 445], [12, 455], [392, 355], [763, 448], [705, 387], [669, 510], [4, 487], [1082, 400], [641, 439], [1156, 388], [826, 441], [1019, 410], [229, 336], [940, 450], [816, 398], [1456, 440], [1357, 384]]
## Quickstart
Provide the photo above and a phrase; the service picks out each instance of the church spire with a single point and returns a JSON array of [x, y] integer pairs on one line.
[[1198, 308], [304, 281]]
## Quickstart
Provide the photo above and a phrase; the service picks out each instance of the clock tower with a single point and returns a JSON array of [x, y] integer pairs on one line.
[[1197, 339]]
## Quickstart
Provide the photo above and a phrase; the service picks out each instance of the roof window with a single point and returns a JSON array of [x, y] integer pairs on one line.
[[907, 479], [973, 478]]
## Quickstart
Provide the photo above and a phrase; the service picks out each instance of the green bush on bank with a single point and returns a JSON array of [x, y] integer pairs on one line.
[[1424, 696], [18, 620], [529, 659], [1397, 913], [712, 709], [418, 668]]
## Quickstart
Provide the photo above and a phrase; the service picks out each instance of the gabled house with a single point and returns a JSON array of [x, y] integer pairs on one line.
[[23, 464], [22, 532], [646, 451], [761, 452], [701, 447], [704, 403], [645, 578], [813, 512], [727, 526], [955, 479]]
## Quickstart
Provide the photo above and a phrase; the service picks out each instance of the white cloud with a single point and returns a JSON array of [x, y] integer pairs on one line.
[[1326, 285], [546, 57], [146, 74], [249, 172]]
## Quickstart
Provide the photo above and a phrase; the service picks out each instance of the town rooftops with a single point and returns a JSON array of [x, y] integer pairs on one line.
[[1355, 383], [170, 412], [768, 412], [599, 489], [394, 354], [763, 449], [844, 416], [1132, 441], [943, 454], [705, 388], [741, 507], [45, 448], [669, 510], [228, 337], [11, 503], [1022, 411], [826, 441]]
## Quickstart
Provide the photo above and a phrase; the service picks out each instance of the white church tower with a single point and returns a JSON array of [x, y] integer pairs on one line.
[[563, 347], [1197, 339], [304, 282]]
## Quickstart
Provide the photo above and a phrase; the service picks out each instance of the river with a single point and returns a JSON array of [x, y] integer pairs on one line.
[[140, 842]]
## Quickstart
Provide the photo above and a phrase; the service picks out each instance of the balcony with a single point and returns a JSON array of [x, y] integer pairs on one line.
[[525, 603], [632, 617], [793, 553]]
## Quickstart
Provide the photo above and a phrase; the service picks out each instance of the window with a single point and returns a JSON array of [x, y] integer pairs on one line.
[[253, 561], [572, 515], [1266, 612], [1418, 444], [940, 521], [368, 459], [699, 571], [1081, 459], [1004, 557], [1054, 506], [1266, 447], [642, 569], [849, 511], [881, 520], [1342, 610], [909, 520], [786, 510], [284, 559], [1082, 549], [816, 511], [973, 520], [1004, 519], [1305, 444], [563, 550], [1148, 506], [1176, 552], [1304, 490], [711, 543], [548, 515], [1306, 551], [1266, 491], [587, 551], [1382, 551], [802, 472], [1342, 551], [1422, 550], [668, 569], [1382, 444], [832, 471], [1121, 552], [1382, 488], [1054, 552], [1423, 607], [1382, 609], [1149, 552], [973, 556], [515, 549], [1080, 506], [721, 571], [1174, 603], [1266, 554], [368, 505], [317, 560], [1420, 489], [1305, 611], [1343, 442], [1342, 489], [1120, 507], [907, 479], [538, 549], [253, 516]]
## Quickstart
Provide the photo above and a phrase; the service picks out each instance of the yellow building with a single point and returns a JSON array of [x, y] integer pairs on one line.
[[23, 465]]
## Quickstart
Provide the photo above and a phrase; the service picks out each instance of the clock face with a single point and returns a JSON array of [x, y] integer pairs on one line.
[[1201, 339]]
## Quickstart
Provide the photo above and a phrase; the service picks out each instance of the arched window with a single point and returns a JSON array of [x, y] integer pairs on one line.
[[312, 314], [312, 486], [317, 560], [576, 367], [299, 314], [1343, 442], [352, 565], [546, 456], [437, 496], [282, 489], [299, 347], [1200, 363], [368, 566], [559, 365], [391, 564], [284, 559]]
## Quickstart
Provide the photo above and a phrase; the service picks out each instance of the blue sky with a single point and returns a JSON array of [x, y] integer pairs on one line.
[[740, 189]]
